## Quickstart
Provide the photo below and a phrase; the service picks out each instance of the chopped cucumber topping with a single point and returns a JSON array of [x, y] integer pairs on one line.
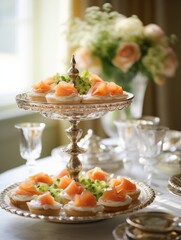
[[82, 83], [55, 193], [42, 187], [95, 186]]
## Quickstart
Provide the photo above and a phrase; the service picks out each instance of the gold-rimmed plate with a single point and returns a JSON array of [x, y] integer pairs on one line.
[[146, 197], [174, 184], [125, 232], [119, 232]]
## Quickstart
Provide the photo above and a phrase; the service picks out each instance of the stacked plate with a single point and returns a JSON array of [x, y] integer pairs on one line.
[[174, 184], [149, 226]]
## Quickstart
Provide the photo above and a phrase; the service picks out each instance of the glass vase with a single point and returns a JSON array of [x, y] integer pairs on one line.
[[137, 86]]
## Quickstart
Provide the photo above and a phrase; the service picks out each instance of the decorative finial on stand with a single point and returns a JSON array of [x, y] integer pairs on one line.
[[74, 165], [73, 72]]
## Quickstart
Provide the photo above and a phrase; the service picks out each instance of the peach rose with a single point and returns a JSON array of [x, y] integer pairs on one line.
[[170, 64], [127, 54], [154, 32], [85, 60]]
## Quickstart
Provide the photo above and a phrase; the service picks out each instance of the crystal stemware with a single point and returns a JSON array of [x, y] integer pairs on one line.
[[151, 139], [30, 142], [128, 141]]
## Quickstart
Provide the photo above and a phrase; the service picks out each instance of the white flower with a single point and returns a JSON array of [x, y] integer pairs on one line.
[[154, 32], [130, 28]]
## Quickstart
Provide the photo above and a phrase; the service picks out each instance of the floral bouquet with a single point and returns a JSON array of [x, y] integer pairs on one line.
[[119, 47]]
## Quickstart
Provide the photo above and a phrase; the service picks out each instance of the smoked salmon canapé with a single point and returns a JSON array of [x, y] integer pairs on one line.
[[97, 174], [62, 173], [112, 201], [41, 177], [85, 88], [34, 185], [23, 194], [84, 204], [70, 191], [94, 78], [44, 205], [103, 91], [127, 185], [41, 89], [64, 92]]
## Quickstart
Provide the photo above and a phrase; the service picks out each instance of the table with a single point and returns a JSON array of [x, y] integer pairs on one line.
[[13, 227]]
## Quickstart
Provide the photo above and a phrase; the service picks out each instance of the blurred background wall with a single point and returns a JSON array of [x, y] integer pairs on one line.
[[32, 40]]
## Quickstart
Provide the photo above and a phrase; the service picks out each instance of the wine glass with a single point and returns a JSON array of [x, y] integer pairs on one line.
[[151, 139], [128, 140], [30, 143]]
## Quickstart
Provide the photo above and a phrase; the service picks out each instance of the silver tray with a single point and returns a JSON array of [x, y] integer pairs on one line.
[[146, 198]]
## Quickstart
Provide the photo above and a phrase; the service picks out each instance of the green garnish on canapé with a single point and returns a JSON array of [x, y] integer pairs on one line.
[[55, 190], [42, 187], [82, 82], [95, 186]]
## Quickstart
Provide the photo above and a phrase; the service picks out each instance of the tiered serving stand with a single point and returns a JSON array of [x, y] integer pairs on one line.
[[75, 113]]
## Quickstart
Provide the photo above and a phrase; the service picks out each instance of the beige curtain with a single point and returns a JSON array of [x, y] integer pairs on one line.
[[163, 101]]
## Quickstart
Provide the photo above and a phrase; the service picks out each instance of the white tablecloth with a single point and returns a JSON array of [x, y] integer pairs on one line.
[[13, 227]]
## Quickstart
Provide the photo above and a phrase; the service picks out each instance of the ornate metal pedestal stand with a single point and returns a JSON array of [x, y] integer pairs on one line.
[[74, 165], [74, 113]]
